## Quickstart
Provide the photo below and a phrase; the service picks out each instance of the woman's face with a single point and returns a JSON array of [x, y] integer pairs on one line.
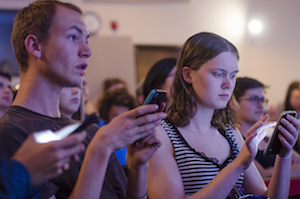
[[168, 83], [214, 81], [251, 105], [295, 99], [69, 100]]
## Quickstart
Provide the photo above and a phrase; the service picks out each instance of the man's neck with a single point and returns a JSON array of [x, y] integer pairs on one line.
[[39, 96]]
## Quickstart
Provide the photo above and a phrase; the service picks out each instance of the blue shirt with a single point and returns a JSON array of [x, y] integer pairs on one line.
[[15, 181]]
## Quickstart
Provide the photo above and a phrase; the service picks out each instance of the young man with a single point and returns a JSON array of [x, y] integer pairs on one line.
[[51, 46], [250, 95], [6, 94]]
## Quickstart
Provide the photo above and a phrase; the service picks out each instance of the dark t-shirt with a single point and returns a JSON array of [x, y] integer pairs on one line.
[[18, 122]]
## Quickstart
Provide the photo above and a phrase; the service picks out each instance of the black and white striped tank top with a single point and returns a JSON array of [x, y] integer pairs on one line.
[[196, 169]]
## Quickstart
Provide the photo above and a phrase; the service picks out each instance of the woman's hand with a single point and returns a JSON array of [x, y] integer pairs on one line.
[[288, 136], [249, 149]]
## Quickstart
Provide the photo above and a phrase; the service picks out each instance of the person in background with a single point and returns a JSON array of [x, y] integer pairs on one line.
[[6, 94], [34, 163], [292, 102], [70, 103], [113, 83], [114, 103], [88, 106], [139, 92], [203, 155], [250, 95], [160, 76], [108, 85], [5, 67]]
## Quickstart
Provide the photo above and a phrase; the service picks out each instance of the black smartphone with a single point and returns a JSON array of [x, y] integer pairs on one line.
[[88, 120], [274, 145], [156, 96]]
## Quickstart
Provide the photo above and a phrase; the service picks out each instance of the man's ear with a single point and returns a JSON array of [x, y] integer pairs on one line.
[[32, 46], [186, 74]]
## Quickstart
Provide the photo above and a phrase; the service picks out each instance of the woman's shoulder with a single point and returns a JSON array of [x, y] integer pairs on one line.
[[238, 136], [162, 130]]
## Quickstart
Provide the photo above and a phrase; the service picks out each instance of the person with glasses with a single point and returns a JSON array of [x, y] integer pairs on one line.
[[250, 95]]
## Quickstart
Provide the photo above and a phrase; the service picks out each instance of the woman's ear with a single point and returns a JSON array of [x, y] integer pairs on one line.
[[186, 74], [32, 46]]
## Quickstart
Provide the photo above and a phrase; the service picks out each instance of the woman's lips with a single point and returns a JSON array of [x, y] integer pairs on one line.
[[75, 100], [224, 96]]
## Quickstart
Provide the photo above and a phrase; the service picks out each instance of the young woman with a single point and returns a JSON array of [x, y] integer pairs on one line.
[[70, 103], [203, 155], [161, 75]]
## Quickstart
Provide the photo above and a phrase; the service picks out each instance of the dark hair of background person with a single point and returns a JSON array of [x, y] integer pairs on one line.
[[294, 85], [158, 74], [113, 81], [245, 83], [37, 20], [5, 66], [116, 97], [5, 75], [196, 51]]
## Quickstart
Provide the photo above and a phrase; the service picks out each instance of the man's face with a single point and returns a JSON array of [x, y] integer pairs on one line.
[[5, 93], [65, 52], [251, 111]]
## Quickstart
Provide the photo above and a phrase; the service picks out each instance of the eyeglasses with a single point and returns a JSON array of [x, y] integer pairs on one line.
[[255, 100]]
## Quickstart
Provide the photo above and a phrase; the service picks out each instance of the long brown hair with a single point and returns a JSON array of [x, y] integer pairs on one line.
[[197, 50]]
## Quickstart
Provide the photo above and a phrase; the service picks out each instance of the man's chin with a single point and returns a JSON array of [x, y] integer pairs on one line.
[[76, 83]]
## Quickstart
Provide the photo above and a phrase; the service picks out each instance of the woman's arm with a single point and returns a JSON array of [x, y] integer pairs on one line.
[[280, 180], [263, 172]]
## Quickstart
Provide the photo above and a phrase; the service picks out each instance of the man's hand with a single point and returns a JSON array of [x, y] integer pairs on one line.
[[141, 151], [46, 161], [128, 127]]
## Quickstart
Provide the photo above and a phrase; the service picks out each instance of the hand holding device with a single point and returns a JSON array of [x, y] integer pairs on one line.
[[48, 135], [274, 145], [156, 96]]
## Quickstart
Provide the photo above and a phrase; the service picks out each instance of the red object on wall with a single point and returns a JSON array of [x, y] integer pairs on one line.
[[114, 25]]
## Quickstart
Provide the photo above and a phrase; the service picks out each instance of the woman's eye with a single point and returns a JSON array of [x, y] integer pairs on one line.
[[72, 38], [233, 76], [218, 74]]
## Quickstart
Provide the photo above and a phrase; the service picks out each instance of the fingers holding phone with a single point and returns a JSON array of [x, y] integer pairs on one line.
[[128, 127], [284, 136], [289, 131]]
